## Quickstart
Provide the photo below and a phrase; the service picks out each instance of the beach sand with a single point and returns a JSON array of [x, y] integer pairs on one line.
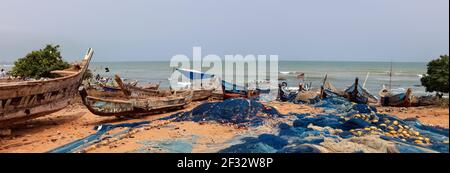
[[429, 115], [59, 128], [75, 122]]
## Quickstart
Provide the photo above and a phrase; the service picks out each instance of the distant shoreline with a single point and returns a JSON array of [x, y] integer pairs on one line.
[[160, 61], [344, 61]]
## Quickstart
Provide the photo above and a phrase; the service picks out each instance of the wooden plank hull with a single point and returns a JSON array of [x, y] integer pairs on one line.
[[117, 89], [398, 100], [102, 93], [134, 106], [199, 94], [233, 95], [24, 100]]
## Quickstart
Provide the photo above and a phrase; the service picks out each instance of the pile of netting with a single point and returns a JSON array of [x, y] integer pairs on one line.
[[347, 127], [236, 111]]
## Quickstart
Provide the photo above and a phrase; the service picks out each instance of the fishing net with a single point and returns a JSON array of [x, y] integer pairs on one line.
[[347, 127], [343, 127], [235, 111]]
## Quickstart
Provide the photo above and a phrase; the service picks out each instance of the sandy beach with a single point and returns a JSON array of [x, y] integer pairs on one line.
[[431, 115], [75, 122]]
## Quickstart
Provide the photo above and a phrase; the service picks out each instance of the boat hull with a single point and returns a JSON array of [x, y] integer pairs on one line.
[[398, 100], [24, 100], [133, 106]]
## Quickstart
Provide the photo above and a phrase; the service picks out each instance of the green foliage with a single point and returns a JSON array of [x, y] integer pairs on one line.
[[436, 78], [40, 63]]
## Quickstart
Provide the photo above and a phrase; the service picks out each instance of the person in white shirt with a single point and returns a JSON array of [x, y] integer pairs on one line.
[[2, 73]]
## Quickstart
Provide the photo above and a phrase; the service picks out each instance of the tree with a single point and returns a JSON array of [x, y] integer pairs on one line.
[[436, 78], [40, 63]]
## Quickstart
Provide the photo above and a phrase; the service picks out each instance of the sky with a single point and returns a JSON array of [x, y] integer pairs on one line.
[[153, 30]]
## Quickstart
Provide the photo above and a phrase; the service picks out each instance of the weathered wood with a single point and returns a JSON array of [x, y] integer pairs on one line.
[[121, 85], [134, 106], [63, 72], [199, 94], [40, 97], [356, 93], [398, 100], [135, 91]]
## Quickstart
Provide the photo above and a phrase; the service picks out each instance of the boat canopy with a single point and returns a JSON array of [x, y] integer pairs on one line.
[[194, 74]]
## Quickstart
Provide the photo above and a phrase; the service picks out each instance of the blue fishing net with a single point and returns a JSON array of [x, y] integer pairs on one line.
[[236, 111], [341, 120], [320, 120], [352, 120], [265, 143]]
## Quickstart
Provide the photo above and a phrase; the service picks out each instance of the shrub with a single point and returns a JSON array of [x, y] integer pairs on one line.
[[40, 63], [436, 78]]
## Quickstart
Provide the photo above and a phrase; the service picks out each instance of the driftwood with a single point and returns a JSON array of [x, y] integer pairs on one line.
[[24, 100]]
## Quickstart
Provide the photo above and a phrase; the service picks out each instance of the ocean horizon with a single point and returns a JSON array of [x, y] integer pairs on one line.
[[340, 73]]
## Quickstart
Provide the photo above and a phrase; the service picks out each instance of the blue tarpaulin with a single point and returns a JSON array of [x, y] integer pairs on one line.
[[102, 129], [194, 74]]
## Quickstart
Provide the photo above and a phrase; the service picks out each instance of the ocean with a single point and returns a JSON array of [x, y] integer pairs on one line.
[[340, 74]]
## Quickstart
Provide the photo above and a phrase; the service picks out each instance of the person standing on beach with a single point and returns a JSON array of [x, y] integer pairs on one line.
[[2, 73]]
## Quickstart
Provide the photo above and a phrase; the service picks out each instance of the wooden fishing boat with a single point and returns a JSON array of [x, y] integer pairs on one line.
[[110, 88], [135, 91], [217, 95], [228, 95], [135, 101], [198, 94], [100, 92], [397, 100], [284, 94], [304, 94], [356, 93], [128, 89], [134, 106], [151, 86], [235, 92], [24, 100]]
